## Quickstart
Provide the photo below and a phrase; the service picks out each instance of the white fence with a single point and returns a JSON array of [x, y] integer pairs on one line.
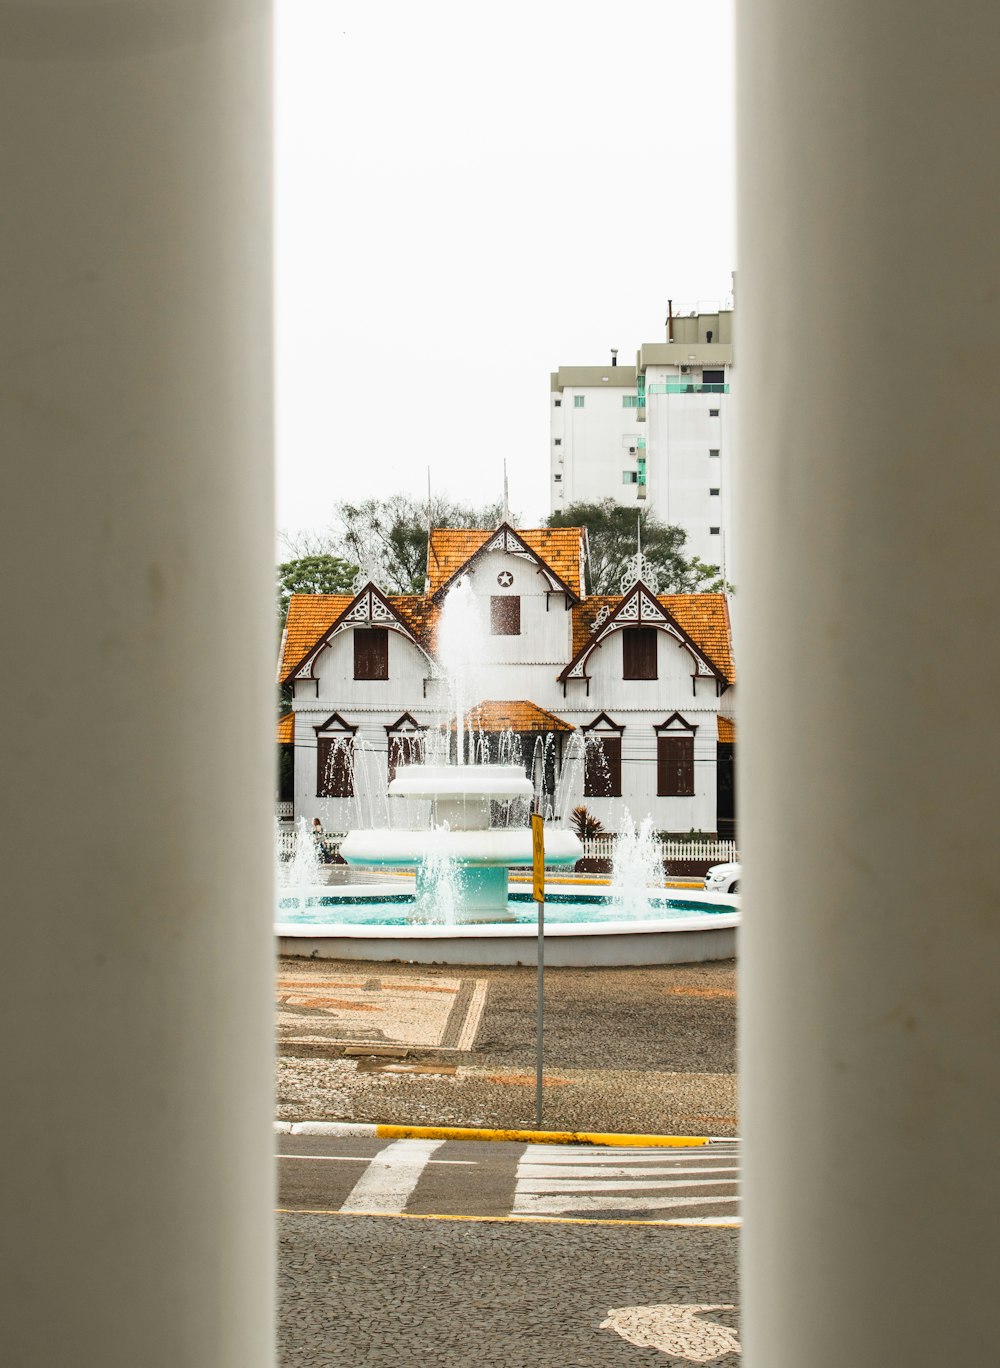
[[674, 848], [597, 848]]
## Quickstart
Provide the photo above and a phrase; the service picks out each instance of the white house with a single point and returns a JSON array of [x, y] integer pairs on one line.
[[620, 702]]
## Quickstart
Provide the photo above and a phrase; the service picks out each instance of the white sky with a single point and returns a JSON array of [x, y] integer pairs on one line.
[[467, 198]]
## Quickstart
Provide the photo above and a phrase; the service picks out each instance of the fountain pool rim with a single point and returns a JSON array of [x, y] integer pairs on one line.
[[676, 940]]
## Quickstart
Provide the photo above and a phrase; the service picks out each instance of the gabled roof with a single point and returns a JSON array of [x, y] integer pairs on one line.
[[450, 550], [313, 618], [516, 715], [702, 618]]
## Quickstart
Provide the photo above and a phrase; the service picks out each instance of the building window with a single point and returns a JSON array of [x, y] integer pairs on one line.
[[602, 767], [578, 400], [715, 531], [558, 403], [407, 749], [713, 491], [371, 653], [558, 441], [629, 476], [713, 451], [713, 413], [675, 766], [557, 478], [505, 615], [335, 766], [639, 653], [713, 377], [630, 401]]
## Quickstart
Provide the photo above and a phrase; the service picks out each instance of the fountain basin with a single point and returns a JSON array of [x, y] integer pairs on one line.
[[582, 928]]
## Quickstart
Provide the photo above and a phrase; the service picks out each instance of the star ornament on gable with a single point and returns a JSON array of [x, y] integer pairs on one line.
[[505, 579]]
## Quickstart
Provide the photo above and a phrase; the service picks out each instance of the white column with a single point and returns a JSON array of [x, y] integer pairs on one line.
[[136, 751], [870, 412]]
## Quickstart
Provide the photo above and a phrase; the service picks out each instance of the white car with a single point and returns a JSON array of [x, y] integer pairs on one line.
[[724, 878]]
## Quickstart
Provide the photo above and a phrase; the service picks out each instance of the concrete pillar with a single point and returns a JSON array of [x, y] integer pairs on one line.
[[137, 624], [867, 349]]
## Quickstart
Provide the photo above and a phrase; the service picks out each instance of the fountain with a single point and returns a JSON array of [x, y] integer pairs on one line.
[[450, 897]]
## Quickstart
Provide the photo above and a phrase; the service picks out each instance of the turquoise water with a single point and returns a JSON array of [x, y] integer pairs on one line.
[[560, 909]]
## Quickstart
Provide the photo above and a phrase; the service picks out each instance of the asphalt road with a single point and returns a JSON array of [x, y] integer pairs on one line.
[[387, 1291], [461, 1178]]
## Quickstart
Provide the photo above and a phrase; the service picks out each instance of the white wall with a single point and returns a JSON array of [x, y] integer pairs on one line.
[[595, 446]]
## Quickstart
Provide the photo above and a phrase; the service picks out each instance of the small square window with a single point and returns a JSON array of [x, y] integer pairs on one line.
[[558, 403], [578, 400], [715, 531], [557, 478], [713, 451], [713, 413], [630, 477], [558, 441], [711, 491]]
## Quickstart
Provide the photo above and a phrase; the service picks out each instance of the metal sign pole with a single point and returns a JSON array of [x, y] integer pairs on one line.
[[538, 893]]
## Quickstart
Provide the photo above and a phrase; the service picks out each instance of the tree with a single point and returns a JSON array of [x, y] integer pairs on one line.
[[611, 531], [388, 537], [314, 574]]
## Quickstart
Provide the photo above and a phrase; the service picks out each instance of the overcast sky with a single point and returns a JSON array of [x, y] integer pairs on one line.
[[467, 198]]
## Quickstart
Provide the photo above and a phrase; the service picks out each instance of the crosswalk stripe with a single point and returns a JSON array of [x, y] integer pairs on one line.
[[526, 1203], [617, 1185], [388, 1182], [607, 1171]]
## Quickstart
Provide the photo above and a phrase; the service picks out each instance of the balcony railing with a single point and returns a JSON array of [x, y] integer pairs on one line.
[[686, 387]]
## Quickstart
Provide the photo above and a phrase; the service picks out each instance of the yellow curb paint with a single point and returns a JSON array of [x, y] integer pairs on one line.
[[539, 1137], [509, 1220]]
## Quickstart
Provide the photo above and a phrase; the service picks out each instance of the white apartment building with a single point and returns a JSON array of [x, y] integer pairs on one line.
[[656, 435]]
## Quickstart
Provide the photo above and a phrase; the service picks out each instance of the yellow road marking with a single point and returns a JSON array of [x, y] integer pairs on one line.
[[727, 1224], [540, 1137]]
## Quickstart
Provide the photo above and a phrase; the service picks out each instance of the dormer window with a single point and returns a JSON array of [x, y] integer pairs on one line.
[[505, 614], [639, 653], [371, 653]]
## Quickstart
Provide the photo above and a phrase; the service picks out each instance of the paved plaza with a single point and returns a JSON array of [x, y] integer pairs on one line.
[[645, 1049]]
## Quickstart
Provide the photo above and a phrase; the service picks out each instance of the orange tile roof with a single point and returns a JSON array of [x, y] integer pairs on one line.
[[309, 616], [452, 547], [705, 618], [286, 729], [727, 728], [517, 715]]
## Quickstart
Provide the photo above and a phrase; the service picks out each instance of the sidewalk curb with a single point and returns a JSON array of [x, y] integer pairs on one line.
[[537, 1137]]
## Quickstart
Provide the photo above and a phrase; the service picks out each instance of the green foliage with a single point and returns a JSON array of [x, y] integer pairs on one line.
[[389, 536], [316, 574], [611, 531], [585, 824]]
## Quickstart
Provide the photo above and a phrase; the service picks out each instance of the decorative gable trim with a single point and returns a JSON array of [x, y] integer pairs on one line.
[[640, 608], [505, 538], [406, 723], [335, 723], [603, 723], [676, 723], [369, 608]]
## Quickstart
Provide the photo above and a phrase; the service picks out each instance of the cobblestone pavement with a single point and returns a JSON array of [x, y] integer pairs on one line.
[[650, 1049], [389, 1291]]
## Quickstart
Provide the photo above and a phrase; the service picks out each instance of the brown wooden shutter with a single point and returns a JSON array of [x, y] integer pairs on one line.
[[602, 768], [335, 767], [404, 750], [639, 653], [371, 653], [675, 766], [505, 615]]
